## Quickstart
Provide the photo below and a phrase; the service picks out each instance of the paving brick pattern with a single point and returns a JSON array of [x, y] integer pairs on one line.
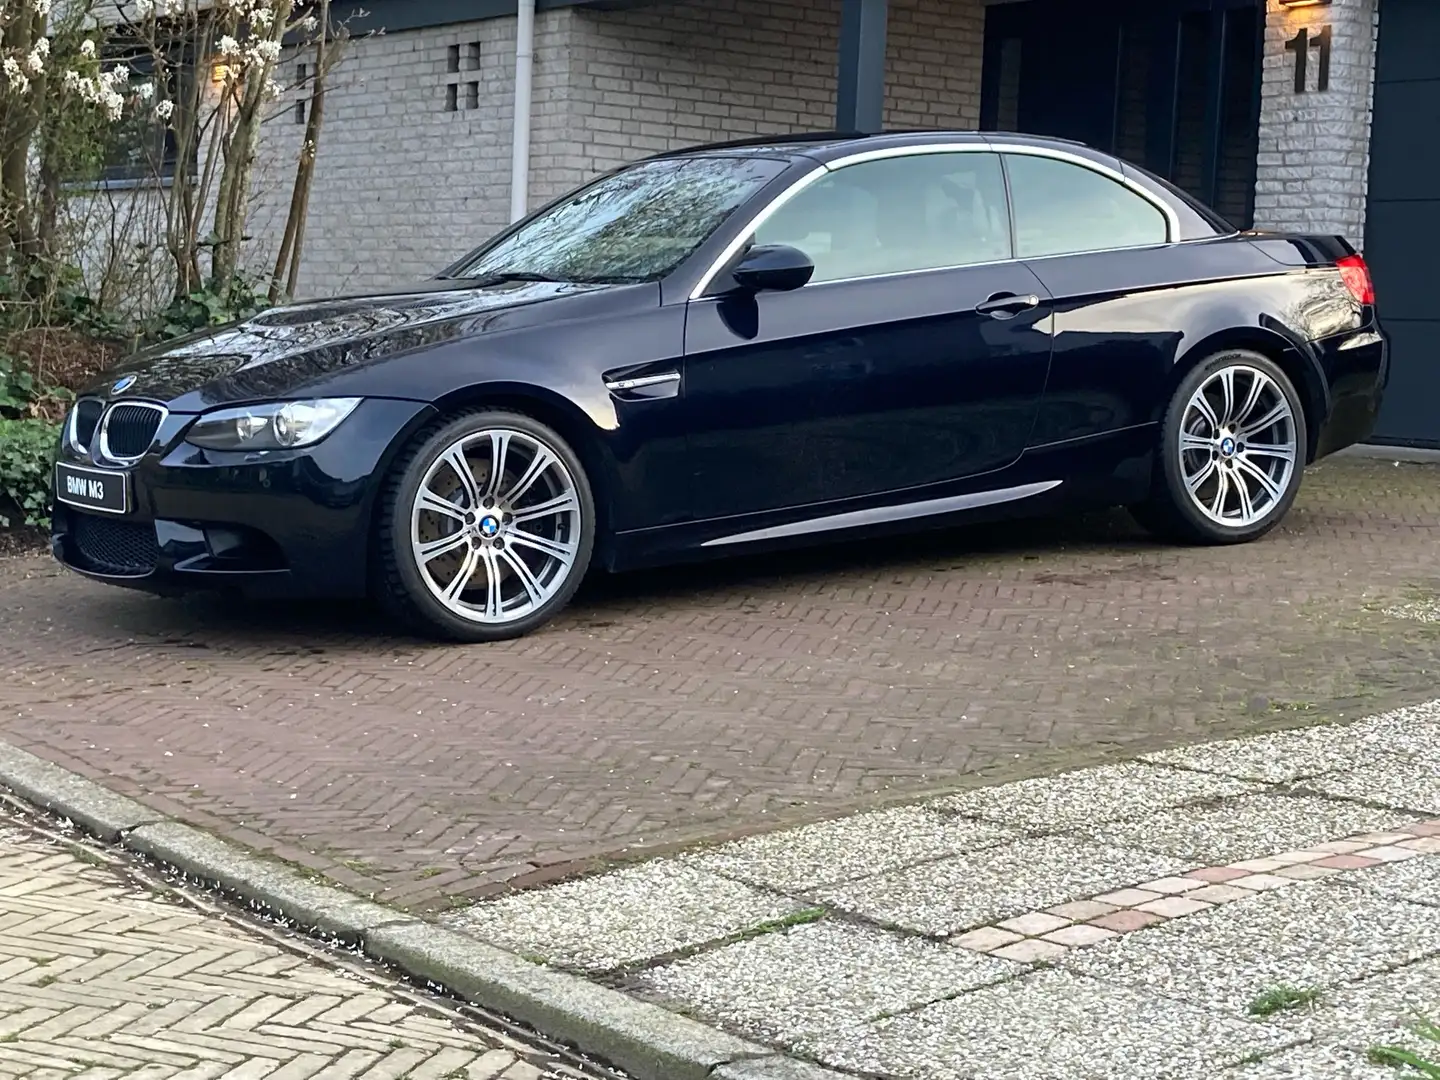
[[683, 705], [102, 978], [1044, 935]]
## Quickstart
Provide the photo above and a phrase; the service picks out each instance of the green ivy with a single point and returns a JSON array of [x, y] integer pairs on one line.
[[27, 458], [17, 388], [63, 301], [206, 308]]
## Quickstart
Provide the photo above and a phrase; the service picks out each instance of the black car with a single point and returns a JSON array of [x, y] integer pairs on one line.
[[730, 348]]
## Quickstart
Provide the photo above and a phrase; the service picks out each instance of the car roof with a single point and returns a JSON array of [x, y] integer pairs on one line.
[[827, 145]]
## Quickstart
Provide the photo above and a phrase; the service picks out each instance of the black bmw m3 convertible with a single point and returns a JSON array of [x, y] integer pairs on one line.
[[732, 348]]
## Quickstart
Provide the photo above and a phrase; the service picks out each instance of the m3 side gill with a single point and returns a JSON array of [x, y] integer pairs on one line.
[[728, 349]]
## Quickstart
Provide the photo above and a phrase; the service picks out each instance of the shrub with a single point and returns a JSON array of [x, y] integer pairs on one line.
[[205, 308], [27, 458]]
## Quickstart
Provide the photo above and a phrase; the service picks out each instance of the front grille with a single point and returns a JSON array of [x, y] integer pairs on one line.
[[106, 546], [129, 430], [87, 419]]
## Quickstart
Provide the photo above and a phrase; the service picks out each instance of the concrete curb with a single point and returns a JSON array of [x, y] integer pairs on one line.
[[644, 1040], [1411, 454]]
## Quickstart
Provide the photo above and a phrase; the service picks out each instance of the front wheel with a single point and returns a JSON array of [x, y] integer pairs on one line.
[[486, 528], [1232, 451]]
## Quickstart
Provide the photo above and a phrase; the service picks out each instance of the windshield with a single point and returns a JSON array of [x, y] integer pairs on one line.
[[635, 225]]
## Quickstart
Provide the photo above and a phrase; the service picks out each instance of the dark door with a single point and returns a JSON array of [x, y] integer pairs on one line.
[[880, 375], [1402, 231], [1172, 85]]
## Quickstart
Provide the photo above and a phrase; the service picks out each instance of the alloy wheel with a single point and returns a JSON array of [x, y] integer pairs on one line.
[[496, 526], [1238, 447]]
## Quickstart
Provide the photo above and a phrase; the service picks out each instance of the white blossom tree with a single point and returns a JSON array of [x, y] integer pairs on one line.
[[214, 119], [52, 85]]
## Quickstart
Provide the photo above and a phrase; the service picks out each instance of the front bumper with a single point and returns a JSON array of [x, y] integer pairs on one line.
[[293, 523]]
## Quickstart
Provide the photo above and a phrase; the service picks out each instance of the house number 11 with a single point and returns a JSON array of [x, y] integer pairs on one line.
[[1300, 45]]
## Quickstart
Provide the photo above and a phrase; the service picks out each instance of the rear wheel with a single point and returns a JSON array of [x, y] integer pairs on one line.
[[1231, 453], [486, 528]]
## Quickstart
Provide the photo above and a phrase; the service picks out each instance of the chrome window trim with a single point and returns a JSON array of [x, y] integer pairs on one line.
[[103, 429], [1172, 219]]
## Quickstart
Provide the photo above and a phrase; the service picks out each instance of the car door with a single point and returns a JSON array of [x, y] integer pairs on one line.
[[1118, 291], [916, 355]]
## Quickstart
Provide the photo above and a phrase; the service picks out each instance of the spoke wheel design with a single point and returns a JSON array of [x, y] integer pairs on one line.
[[1239, 446], [496, 526]]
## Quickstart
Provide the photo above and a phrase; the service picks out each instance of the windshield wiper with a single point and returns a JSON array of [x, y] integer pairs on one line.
[[502, 277], [523, 275]]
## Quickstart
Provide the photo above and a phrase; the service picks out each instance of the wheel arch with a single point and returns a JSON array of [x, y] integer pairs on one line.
[[567, 419], [1293, 359]]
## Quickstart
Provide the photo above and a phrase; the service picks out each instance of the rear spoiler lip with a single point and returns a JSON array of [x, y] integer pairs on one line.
[[1301, 249]]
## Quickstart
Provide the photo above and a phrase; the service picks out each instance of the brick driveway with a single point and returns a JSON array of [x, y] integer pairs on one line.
[[675, 706]]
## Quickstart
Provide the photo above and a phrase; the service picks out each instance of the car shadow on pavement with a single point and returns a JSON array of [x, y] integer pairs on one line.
[[314, 627]]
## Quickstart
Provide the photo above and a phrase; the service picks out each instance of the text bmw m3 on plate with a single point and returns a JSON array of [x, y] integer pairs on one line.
[[728, 349]]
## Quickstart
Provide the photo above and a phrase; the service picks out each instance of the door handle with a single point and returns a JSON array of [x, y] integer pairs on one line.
[[1007, 305]]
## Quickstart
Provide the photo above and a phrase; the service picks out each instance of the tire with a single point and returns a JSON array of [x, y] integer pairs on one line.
[[1199, 503], [437, 565]]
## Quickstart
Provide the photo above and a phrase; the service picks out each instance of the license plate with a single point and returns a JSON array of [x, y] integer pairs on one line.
[[93, 489]]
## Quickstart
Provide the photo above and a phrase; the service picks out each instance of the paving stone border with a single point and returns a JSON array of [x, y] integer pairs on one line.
[[643, 1039]]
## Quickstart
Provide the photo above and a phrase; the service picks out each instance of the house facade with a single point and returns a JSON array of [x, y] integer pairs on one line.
[[1284, 114]]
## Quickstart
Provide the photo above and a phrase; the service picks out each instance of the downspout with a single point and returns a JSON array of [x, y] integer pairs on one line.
[[524, 67]]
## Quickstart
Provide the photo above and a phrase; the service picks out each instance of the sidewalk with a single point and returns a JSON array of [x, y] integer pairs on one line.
[[100, 977], [1252, 909]]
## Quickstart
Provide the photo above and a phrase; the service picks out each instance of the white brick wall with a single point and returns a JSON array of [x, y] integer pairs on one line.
[[1314, 151], [402, 186], [651, 79]]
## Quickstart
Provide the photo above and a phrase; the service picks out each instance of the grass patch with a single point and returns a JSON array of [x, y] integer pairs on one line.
[[85, 855], [1280, 999], [798, 918], [1292, 706], [1415, 1066]]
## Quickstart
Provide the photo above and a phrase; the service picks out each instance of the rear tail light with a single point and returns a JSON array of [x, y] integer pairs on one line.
[[1356, 276]]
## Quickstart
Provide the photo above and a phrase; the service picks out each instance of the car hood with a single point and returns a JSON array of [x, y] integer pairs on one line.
[[285, 351]]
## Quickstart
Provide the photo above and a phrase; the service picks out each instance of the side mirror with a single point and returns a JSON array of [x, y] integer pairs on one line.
[[773, 268]]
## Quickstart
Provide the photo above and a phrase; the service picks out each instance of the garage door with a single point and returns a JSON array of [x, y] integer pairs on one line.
[[1402, 232]]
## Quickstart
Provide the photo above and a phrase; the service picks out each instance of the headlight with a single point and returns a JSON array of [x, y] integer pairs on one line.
[[279, 425]]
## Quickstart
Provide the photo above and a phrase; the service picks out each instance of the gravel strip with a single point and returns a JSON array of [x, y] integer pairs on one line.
[[1404, 781], [804, 981], [623, 917], [834, 851], [1054, 1025], [1247, 827], [1285, 756], [1309, 935], [1415, 880], [957, 894], [1383, 1010], [1087, 796], [1419, 610], [1320, 1062]]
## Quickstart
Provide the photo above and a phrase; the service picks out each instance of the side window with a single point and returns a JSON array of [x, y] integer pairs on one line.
[[899, 214], [1061, 208]]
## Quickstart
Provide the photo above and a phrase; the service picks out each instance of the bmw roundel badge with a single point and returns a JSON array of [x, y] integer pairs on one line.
[[122, 384]]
